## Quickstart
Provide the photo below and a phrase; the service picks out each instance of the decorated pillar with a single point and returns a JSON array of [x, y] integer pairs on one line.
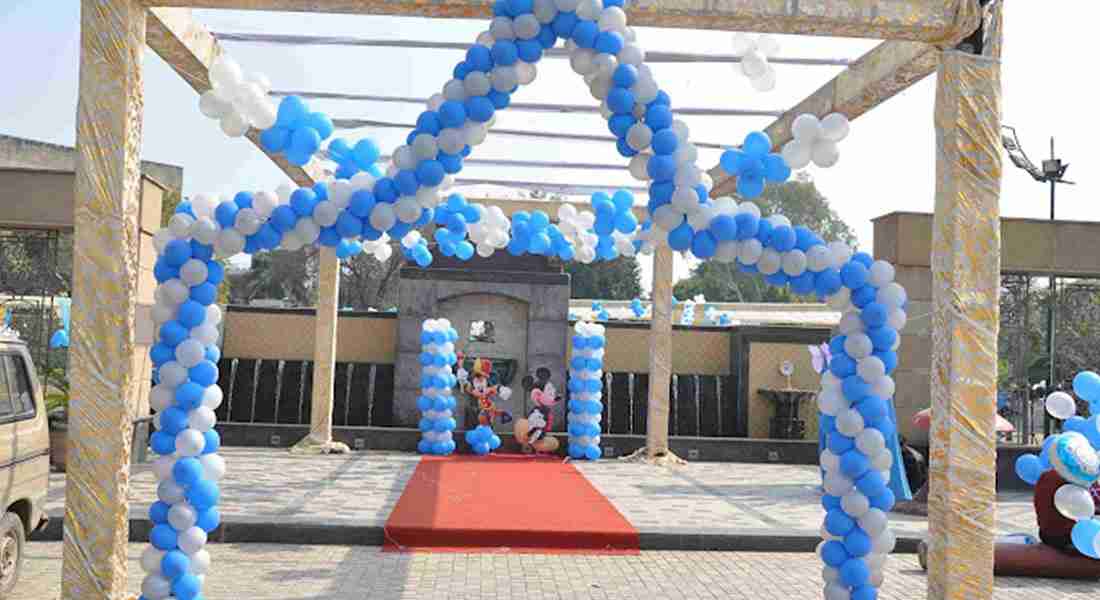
[[965, 310], [660, 353], [105, 281]]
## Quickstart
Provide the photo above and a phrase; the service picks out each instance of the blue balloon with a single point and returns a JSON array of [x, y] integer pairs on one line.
[[857, 543], [292, 110], [665, 142], [834, 554], [749, 186], [209, 519], [187, 471], [173, 333], [593, 452], [275, 139], [874, 315], [854, 464], [158, 512], [204, 374], [854, 572], [757, 143], [1029, 468], [838, 523], [162, 443], [163, 537], [203, 494], [658, 117], [186, 587], [1085, 536], [703, 245], [1086, 384], [854, 275], [871, 484], [681, 237], [839, 443], [177, 252]]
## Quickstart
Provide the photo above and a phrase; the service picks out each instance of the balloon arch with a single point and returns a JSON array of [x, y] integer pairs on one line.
[[362, 209]]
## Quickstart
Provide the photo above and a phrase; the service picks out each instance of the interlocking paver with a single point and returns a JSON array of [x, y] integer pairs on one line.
[[269, 485], [266, 572]]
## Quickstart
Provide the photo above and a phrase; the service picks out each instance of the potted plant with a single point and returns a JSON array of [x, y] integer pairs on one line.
[[57, 415]]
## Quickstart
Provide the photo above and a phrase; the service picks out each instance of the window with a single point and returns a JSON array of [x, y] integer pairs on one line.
[[23, 394], [6, 408], [482, 331]]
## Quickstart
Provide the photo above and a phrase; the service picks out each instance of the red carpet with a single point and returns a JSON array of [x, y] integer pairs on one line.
[[505, 503]]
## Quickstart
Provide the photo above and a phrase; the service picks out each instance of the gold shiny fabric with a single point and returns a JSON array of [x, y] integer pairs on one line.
[[660, 353], [941, 22], [966, 285], [105, 280]]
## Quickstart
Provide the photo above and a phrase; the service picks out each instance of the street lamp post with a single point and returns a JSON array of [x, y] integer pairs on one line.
[[1052, 171]]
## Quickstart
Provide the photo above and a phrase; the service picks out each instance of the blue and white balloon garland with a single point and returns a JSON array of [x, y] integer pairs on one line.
[[185, 395], [437, 382], [586, 390], [298, 132], [1073, 454]]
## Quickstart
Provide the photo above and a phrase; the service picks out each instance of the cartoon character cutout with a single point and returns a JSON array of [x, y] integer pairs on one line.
[[480, 386], [533, 433]]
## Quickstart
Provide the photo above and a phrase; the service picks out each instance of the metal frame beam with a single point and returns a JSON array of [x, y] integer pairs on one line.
[[942, 22]]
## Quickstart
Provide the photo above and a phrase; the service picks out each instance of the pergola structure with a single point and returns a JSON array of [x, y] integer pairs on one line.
[[961, 39]]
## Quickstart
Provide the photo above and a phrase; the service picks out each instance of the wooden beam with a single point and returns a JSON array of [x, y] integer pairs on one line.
[[189, 48], [942, 22], [874, 78]]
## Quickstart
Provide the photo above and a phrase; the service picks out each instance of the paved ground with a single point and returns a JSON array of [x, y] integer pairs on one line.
[[264, 572], [268, 486]]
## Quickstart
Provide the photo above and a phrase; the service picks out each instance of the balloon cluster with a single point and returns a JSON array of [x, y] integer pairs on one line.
[[754, 164], [576, 226], [437, 381], [238, 100], [585, 390], [599, 313], [297, 132], [185, 357], [415, 248], [615, 224], [754, 59], [532, 233], [856, 413], [687, 316], [815, 140], [714, 317], [351, 160], [1073, 454], [482, 440], [637, 308]]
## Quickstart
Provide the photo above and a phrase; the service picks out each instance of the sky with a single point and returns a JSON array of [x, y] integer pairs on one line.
[[887, 162]]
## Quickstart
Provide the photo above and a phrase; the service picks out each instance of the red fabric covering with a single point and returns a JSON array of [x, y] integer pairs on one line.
[[1052, 524], [505, 503]]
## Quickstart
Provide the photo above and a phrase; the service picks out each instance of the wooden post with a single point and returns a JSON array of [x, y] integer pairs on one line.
[[965, 298], [660, 354], [319, 440], [107, 196]]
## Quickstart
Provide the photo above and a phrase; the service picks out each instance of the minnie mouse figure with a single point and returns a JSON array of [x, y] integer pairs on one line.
[[532, 433]]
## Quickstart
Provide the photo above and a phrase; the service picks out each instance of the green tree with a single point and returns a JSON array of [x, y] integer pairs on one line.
[[366, 283], [804, 205], [277, 275], [619, 279]]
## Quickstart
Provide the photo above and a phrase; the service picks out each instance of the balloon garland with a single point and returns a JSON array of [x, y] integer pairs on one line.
[[363, 208], [585, 387], [437, 382], [1073, 454]]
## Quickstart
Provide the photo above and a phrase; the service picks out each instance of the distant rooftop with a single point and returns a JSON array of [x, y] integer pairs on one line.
[[22, 153]]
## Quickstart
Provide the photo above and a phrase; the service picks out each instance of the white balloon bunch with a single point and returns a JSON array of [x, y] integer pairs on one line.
[[815, 140], [238, 99], [491, 232], [576, 226], [754, 59]]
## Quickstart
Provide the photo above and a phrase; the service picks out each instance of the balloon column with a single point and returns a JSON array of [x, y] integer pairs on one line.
[[599, 313], [687, 316], [238, 100], [856, 417], [297, 132], [185, 357], [637, 308], [436, 402], [1073, 454], [585, 387]]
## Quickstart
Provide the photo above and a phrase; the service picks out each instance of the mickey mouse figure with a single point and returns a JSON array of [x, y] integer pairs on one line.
[[532, 432]]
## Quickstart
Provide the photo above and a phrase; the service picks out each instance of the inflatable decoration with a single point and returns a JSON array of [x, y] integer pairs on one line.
[[637, 308], [599, 313], [754, 55], [436, 402], [237, 100], [297, 133], [351, 160], [585, 390], [815, 140], [753, 165], [687, 317], [482, 440]]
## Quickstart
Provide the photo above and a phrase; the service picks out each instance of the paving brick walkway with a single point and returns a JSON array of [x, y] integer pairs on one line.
[[266, 572], [272, 486]]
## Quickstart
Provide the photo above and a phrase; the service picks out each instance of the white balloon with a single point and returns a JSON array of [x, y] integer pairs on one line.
[[190, 352], [213, 466], [229, 243], [765, 82], [180, 225], [214, 105], [526, 26], [892, 295], [206, 334], [870, 441], [1074, 502], [825, 153], [884, 543], [896, 319], [212, 397], [631, 54], [855, 504], [326, 213], [840, 300], [883, 387], [526, 72], [829, 461], [639, 136], [172, 374], [150, 559], [580, 60], [881, 273], [156, 587], [667, 218], [225, 73], [767, 45], [832, 402], [685, 200], [849, 423], [806, 128], [189, 442], [770, 262], [753, 64], [424, 146], [882, 461], [505, 79], [201, 419], [162, 467], [834, 127], [192, 540], [193, 272], [750, 251], [407, 209], [200, 562], [234, 124], [182, 516], [170, 492], [501, 28], [840, 253], [213, 314], [836, 484], [836, 591], [794, 263], [797, 154], [382, 216], [873, 522], [1061, 405], [612, 19], [870, 368]]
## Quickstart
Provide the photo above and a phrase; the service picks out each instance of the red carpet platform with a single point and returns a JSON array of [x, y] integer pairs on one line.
[[505, 503]]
